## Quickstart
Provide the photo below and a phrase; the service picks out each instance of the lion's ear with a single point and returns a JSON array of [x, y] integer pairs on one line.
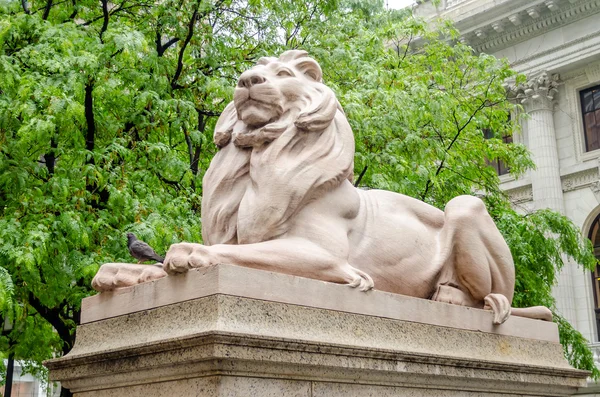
[[265, 60], [224, 126], [310, 68], [318, 116]]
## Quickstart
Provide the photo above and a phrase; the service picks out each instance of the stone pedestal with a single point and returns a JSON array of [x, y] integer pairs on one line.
[[232, 331]]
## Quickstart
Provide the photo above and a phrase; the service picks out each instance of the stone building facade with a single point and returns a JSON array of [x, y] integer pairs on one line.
[[556, 43]]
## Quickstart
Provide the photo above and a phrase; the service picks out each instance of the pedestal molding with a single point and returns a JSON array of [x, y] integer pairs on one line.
[[224, 279], [221, 345]]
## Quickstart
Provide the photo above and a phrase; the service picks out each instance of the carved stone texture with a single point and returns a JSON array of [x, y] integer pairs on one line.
[[497, 26], [533, 12], [521, 195], [278, 196], [538, 98], [539, 93], [208, 334], [552, 5], [119, 275], [580, 180], [593, 72], [515, 19]]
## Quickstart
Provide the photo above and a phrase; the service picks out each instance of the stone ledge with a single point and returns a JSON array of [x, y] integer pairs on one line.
[[276, 287], [221, 345], [222, 335]]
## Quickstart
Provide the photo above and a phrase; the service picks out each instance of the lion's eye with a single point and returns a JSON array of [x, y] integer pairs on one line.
[[284, 73]]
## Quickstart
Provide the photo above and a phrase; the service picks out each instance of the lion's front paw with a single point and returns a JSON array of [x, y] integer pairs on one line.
[[111, 276], [360, 279], [185, 256]]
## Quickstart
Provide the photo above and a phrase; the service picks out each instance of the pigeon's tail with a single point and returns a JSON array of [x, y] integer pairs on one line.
[[157, 258]]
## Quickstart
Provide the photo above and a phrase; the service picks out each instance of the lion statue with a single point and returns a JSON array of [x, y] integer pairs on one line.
[[279, 196]]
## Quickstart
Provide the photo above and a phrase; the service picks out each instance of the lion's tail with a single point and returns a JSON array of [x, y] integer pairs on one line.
[[535, 312]]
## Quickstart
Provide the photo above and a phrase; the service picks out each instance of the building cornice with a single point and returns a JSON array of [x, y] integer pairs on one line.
[[581, 179], [494, 41], [574, 180], [490, 26], [560, 54]]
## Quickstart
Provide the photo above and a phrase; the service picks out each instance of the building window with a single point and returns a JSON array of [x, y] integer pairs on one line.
[[501, 168], [594, 236], [590, 108]]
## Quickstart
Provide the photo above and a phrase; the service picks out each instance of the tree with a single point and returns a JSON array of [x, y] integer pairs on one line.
[[106, 117], [420, 103]]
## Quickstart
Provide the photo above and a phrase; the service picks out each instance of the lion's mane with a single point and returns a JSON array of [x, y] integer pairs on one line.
[[260, 179]]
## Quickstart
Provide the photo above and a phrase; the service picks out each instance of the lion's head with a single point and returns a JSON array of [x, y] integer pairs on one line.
[[284, 140]]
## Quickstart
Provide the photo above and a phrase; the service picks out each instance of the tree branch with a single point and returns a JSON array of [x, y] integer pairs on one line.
[[89, 117], [53, 317], [90, 142], [162, 48], [75, 10], [47, 9], [25, 7], [175, 184], [187, 40], [50, 157], [190, 146], [459, 131], [196, 156], [114, 11], [208, 113], [105, 17], [362, 173]]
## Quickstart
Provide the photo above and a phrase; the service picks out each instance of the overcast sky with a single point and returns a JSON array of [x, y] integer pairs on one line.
[[398, 3]]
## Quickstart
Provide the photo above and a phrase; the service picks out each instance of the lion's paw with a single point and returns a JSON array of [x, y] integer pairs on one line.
[[359, 279], [182, 257], [499, 305], [151, 273], [112, 276]]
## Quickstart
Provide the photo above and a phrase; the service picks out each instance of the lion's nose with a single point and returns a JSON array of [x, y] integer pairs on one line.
[[250, 78]]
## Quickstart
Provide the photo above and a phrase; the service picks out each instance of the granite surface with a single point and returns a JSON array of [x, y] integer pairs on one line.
[[225, 279], [217, 386], [227, 345]]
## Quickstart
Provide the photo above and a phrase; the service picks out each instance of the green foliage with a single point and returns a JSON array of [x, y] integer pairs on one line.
[[106, 118], [419, 115], [575, 347], [7, 289], [540, 241], [420, 103]]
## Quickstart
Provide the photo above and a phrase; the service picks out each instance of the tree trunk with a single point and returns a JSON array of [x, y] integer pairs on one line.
[[10, 369]]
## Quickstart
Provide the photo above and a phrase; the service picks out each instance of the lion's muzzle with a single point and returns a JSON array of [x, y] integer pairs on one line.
[[258, 104], [250, 78]]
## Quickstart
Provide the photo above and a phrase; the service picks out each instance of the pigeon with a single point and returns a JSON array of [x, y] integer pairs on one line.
[[140, 250]]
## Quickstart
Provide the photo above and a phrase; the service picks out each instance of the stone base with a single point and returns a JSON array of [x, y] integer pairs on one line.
[[232, 331]]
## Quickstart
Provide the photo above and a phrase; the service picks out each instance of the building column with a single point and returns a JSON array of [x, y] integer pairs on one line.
[[538, 99]]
